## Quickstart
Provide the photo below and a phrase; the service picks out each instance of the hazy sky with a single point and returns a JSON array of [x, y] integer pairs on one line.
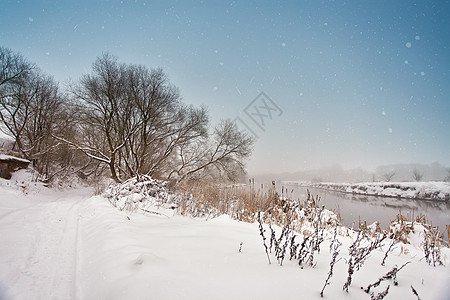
[[357, 83]]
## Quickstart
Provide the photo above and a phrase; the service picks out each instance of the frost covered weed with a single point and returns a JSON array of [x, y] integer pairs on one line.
[[358, 254], [381, 295], [400, 228], [334, 247], [316, 239], [302, 252], [415, 292], [431, 247], [304, 249], [447, 228], [391, 247], [261, 232], [293, 248], [392, 274], [334, 240]]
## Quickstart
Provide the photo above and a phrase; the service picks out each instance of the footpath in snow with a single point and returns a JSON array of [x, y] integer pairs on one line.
[[39, 237], [69, 245]]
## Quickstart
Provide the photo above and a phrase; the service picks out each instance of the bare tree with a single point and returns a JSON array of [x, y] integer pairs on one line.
[[389, 175], [133, 118], [224, 156], [135, 122], [165, 123], [31, 115], [106, 111], [31, 111], [13, 67], [124, 117], [14, 73], [374, 178], [417, 175], [16, 106]]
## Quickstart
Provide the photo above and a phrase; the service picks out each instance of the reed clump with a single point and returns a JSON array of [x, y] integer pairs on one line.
[[240, 201]]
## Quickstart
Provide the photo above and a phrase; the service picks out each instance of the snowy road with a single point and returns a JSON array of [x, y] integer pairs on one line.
[[39, 243]]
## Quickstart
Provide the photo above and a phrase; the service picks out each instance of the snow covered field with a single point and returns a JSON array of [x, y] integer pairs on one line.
[[72, 245], [414, 190]]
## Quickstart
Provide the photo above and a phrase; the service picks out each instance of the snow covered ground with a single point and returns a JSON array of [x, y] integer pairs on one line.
[[72, 245], [414, 190], [39, 236]]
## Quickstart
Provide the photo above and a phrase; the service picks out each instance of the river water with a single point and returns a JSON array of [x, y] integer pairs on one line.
[[353, 208]]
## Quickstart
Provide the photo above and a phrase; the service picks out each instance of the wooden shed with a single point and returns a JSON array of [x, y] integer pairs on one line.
[[9, 164]]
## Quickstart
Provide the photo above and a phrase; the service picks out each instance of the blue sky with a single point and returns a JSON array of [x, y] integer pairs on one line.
[[359, 83]]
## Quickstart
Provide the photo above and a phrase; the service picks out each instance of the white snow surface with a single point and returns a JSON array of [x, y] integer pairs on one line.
[[72, 245]]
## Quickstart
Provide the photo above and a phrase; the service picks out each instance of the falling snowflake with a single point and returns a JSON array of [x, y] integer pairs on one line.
[[390, 130], [417, 37], [406, 62], [422, 73], [283, 44], [30, 19], [408, 45], [383, 112]]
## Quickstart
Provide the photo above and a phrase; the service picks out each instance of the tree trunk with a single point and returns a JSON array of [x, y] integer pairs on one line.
[[113, 169]]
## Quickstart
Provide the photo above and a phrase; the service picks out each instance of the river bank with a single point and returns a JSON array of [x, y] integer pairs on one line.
[[439, 191]]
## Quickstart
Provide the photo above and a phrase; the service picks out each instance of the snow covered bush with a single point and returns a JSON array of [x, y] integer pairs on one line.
[[140, 193], [418, 232]]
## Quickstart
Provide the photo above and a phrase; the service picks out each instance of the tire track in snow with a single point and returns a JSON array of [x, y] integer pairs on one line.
[[61, 280], [49, 270]]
